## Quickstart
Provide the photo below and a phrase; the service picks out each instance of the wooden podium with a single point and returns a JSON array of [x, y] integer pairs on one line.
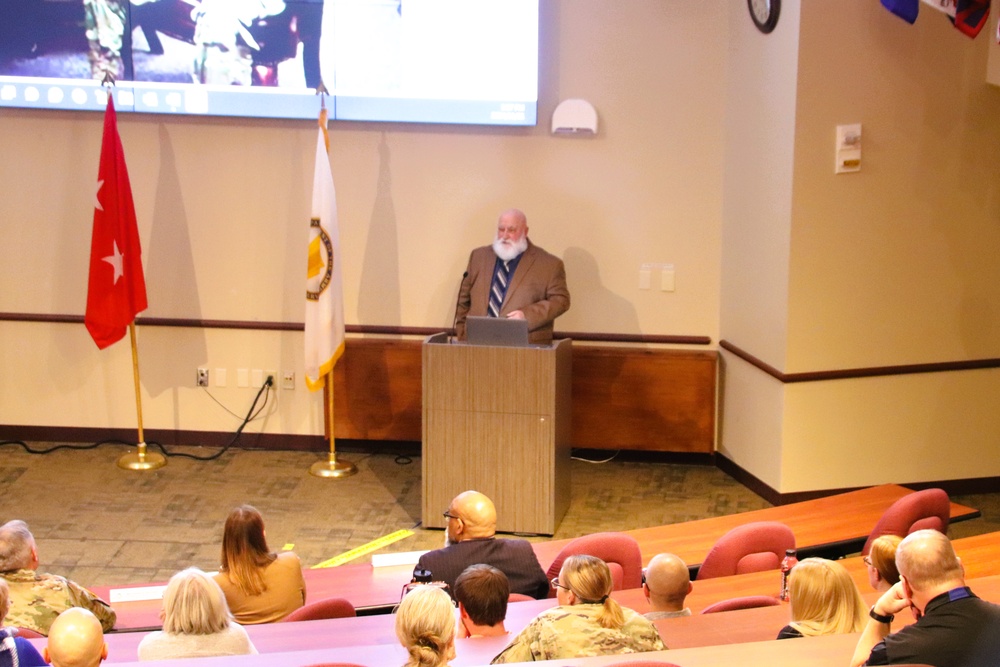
[[496, 420]]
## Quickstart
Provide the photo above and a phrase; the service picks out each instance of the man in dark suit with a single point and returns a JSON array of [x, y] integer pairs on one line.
[[532, 287], [471, 539]]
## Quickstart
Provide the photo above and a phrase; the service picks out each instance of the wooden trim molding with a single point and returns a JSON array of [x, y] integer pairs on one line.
[[953, 487], [848, 373], [370, 329]]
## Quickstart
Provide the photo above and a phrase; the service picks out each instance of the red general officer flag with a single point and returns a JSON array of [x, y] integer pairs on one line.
[[116, 290]]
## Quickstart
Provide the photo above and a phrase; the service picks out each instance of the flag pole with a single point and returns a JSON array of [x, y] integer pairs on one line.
[[331, 467], [141, 459], [324, 318]]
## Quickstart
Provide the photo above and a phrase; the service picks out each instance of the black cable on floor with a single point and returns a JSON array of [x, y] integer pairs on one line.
[[250, 416]]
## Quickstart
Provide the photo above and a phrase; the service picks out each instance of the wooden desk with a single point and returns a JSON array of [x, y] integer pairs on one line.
[[746, 625], [841, 522], [828, 651], [824, 523]]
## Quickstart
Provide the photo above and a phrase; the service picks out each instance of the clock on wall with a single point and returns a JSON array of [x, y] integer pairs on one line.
[[764, 13]]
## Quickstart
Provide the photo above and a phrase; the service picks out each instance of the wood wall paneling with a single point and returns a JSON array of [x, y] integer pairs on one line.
[[631, 398]]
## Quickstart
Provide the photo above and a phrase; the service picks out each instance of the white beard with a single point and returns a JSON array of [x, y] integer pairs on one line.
[[447, 538], [509, 250]]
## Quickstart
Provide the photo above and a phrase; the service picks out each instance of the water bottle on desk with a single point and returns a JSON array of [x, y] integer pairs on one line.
[[787, 563]]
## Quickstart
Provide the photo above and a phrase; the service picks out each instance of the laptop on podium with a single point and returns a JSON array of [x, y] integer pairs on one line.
[[496, 331]]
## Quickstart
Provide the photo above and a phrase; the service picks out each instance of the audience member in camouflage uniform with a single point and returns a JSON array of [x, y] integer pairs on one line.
[[586, 623], [37, 598], [14, 651], [105, 30]]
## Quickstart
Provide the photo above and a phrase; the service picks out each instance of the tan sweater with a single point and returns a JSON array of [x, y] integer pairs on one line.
[[284, 592]]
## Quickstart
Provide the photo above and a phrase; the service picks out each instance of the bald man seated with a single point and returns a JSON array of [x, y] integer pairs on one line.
[[470, 538], [954, 628], [666, 583], [75, 640]]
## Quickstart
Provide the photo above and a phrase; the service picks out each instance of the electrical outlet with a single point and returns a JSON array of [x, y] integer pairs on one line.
[[202, 377], [288, 380]]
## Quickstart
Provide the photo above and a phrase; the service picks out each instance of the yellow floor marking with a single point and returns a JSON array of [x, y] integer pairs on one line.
[[364, 549]]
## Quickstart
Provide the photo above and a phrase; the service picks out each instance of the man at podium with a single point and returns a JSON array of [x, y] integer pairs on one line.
[[513, 278]]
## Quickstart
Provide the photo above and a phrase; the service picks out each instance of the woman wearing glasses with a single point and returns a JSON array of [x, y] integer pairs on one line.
[[881, 562], [587, 621]]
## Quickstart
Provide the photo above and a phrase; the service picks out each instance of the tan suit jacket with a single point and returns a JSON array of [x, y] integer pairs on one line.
[[537, 288]]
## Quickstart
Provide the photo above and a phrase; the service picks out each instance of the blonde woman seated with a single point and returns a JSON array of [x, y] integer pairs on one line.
[[260, 586], [881, 562], [196, 622], [824, 600], [587, 621], [425, 626]]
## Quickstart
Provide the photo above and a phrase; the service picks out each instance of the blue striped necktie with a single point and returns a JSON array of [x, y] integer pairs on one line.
[[498, 289]]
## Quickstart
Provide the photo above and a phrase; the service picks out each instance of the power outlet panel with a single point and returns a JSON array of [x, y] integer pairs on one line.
[[201, 379]]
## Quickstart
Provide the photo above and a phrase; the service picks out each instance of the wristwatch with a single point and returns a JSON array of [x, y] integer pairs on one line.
[[879, 617]]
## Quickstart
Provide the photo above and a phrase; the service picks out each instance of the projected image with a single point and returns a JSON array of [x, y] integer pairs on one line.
[[453, 61]]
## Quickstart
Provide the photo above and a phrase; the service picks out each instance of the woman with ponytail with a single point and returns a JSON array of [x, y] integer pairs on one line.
[[425, 626], [587, 621]]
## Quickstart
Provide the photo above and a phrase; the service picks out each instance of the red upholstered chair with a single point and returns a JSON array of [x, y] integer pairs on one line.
[[752, 547], [27, 633], [745, 602], [519, 597], [618, 550], [326, 608], [930, 508]]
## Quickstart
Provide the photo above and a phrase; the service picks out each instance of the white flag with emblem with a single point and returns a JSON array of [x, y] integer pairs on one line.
[[324, 281]]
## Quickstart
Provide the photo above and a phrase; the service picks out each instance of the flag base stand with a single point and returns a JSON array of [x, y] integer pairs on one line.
[[141, 459], [332, 468]]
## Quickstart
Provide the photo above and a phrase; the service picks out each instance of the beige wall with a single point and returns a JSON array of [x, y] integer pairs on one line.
[[993, 67], [897, 264], [715, 154], [757, 203], [223, 206]]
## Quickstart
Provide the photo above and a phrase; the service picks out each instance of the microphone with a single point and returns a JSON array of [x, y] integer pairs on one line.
[[454, 322]]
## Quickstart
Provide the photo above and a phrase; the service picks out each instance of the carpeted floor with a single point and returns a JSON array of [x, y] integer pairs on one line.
[[101, 525]]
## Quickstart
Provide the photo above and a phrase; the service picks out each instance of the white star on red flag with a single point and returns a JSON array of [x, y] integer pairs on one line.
[[115, 260]]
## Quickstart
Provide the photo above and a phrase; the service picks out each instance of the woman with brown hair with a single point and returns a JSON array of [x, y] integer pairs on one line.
[[587, 622], [260, 586]]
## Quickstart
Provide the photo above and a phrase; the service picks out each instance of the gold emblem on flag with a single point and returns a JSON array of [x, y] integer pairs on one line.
[[316, 263]]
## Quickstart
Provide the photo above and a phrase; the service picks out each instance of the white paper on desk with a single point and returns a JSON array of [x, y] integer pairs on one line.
[[136, 594], [399, 558]]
